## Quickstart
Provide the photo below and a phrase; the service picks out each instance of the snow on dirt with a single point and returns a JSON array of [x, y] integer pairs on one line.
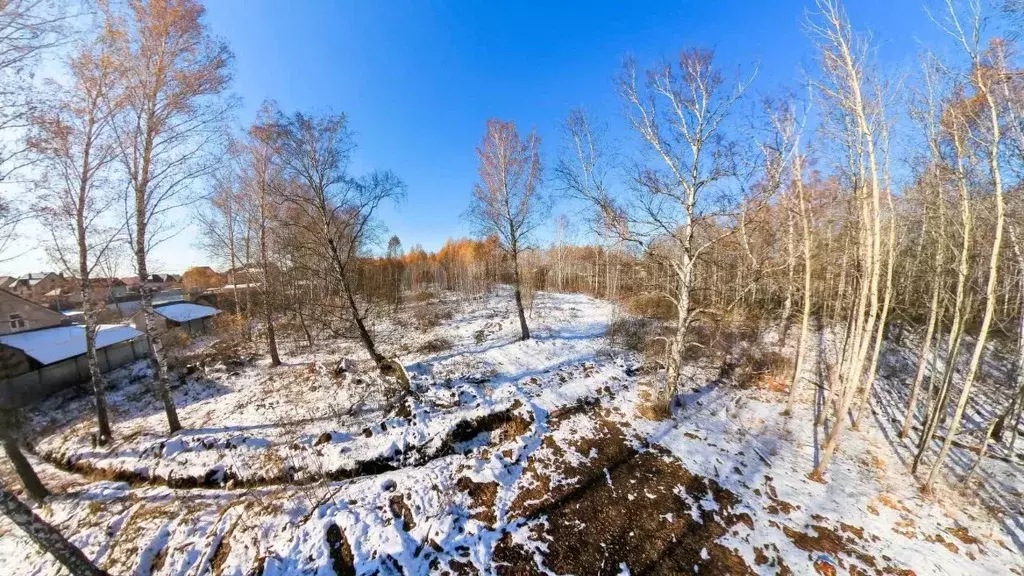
[[507, 457]]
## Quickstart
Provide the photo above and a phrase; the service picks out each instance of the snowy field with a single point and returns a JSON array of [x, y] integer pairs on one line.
[[508, 458]]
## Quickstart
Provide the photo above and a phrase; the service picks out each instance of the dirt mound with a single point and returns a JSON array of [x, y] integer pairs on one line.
[[625, 507]]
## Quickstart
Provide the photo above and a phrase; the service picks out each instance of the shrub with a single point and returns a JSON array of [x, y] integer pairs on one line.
[[424, 296], [435, 345], [762, 369], [432, 316], [228, 326], [629, 333], [654, 306]]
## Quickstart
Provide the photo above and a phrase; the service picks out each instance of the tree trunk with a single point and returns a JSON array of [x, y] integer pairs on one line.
[[156, 349], [97, 380], [524, 330], [29, 479], [806, 313], [990, 290], [48, 538], [268, 312]]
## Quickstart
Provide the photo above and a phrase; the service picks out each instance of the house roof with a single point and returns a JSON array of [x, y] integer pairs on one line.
[[51, 345], [185, 311], [34, 278]]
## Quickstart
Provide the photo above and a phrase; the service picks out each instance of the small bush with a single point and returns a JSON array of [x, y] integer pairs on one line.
[[435, 345], [424, 296], [652, 406], [432, 316], [228, 326], [766, 370], [630, 333], [653, 306]]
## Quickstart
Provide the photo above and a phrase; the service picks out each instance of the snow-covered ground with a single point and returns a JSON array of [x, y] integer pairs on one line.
[[508, 457]]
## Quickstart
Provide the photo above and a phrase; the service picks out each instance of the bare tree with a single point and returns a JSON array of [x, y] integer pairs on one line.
[[843, 62], [28, 29], [334, 213], [48, 538], [73, 142], [680, 115], [987, 69], [506, 200], [173, 72], [262, 184]]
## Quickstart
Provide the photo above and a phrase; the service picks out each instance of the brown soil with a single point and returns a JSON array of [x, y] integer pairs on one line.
[[625, 506], [483, 495], [341, 553]]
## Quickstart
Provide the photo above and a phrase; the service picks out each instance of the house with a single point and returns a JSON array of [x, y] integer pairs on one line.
[[155, 282], [18, 314], [200, 278], [244, 275], [6, 281], [36, 285], [108, 289], [37, 363], [194, 319]]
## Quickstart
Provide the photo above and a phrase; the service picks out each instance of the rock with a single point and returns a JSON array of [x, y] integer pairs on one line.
[[323, 439]]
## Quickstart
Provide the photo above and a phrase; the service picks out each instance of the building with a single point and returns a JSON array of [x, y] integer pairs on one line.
[[37, 363], [155, 282], [19, 315], [200, 278], [194, 319], [36, 285]]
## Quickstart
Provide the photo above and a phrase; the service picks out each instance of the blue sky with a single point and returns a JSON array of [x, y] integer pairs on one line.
[[419, 79]]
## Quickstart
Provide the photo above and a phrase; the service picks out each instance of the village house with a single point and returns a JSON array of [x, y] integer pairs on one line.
[[155, 282], [36, 285], [18, 314]]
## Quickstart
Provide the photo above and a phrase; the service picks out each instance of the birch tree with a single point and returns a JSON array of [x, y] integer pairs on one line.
[[335, 214], [843, 64], [173, 73], [72, 140], [682, 183], [506, 199], [48, 538], [262, 182], [987, 73]]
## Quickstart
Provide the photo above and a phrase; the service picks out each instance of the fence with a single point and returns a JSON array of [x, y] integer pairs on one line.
[[31, 387]]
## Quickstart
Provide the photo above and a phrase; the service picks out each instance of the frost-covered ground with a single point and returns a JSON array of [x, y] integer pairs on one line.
[[509, 457]]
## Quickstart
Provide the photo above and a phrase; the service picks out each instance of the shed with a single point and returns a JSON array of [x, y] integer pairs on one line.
[[192, 318], [38, 363]]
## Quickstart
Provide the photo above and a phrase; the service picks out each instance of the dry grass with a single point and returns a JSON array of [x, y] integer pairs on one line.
[[436, 345], [651, 405], [654, 306], [764, 370], [431, 316]]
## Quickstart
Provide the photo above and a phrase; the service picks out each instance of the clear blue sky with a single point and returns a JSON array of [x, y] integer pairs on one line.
[[419, 79]]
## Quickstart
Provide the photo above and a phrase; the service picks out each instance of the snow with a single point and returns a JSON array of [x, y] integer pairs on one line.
[[51, 345], [252, 482], [185, 311]]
